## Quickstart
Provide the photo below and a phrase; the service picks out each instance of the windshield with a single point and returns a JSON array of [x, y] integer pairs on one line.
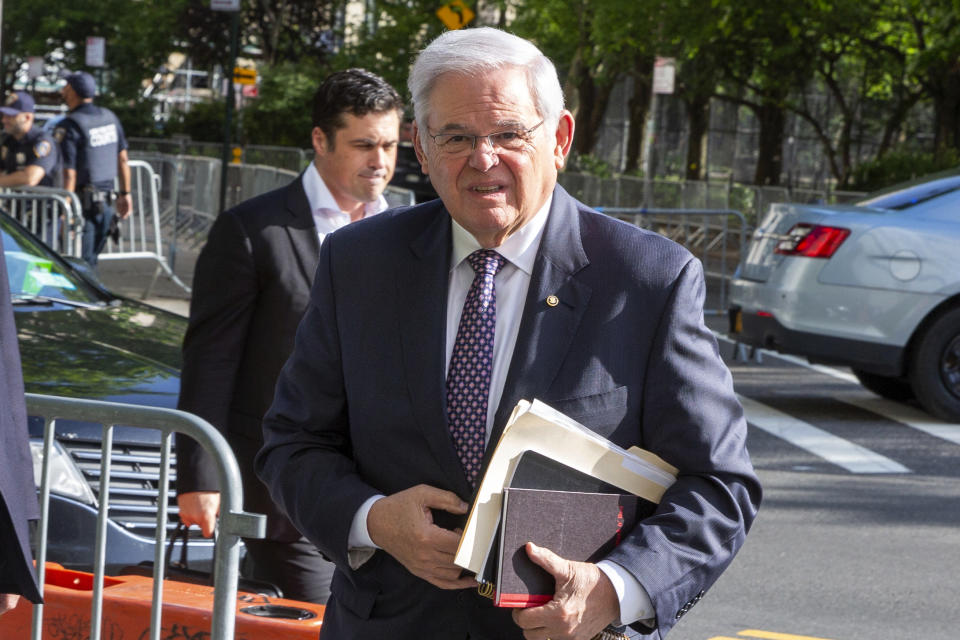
[[36, 272], [904, 196]]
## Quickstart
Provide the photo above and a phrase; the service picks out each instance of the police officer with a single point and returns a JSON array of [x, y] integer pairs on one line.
[[29, 156], [94, 155]]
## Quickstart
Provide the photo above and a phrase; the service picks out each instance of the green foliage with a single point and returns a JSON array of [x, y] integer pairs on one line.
[[136, 117], [589, 164], [900, 166], [137, 33], [403, 28], [282, 114], [203, 122]]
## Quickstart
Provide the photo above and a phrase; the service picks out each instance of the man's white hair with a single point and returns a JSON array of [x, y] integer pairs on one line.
[[476, 51]]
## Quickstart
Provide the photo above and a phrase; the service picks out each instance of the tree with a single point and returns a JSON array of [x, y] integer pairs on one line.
[[388, 43], [282, 114], [281, 30], [766, 52], [137, 35]]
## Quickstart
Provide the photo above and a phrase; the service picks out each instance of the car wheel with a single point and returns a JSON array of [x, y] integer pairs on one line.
[[885, 386], [935, 367]]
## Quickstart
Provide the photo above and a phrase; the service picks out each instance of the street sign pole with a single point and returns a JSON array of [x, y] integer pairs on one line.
[[664, 73], [228, 118]]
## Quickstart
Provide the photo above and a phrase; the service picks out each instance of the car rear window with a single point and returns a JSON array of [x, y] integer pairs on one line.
[[911, 195]]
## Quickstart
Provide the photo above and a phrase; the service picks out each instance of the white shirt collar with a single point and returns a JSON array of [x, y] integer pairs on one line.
[[322, 201], [520, 247]]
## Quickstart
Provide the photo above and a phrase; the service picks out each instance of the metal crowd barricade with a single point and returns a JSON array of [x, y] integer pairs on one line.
[[705, 232], [234, 522], [141, 239], [53, 215]]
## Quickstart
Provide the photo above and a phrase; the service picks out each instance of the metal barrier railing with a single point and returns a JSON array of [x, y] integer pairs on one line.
[[234, 523], [710, 238], [141, 238], [53, 215]]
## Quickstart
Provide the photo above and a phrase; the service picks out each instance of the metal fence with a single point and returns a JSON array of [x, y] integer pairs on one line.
[[234, 523], [716, 236], [189, 197], [752, 201], [140, 239], [289, 158], [53, 215]]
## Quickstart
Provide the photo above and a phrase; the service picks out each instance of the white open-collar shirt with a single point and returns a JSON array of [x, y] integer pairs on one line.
[[327, 215]]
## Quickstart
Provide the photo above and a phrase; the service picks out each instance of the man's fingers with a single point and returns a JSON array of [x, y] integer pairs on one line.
[[200, 508], [440, 499], [207, 525], [553, 564], [8, 601]]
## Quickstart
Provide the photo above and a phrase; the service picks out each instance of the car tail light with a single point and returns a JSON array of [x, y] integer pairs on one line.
[[812, 241]]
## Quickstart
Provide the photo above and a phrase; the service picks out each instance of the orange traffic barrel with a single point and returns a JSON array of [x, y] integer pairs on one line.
[[187, 610]]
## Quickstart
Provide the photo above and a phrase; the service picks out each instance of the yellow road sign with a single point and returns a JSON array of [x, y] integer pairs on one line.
[[455, 14], [244, 76]]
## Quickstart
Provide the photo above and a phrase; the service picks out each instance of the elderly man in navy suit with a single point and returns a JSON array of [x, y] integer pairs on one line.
[[427, 325], [18, 495]]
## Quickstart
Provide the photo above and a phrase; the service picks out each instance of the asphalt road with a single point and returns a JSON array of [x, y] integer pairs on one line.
[[858, 537]]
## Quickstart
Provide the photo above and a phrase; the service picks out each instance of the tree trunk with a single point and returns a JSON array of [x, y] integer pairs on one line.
[[698, 119], [593, 106], [770, 159], [946, 108], [894, 123], [638, 106]]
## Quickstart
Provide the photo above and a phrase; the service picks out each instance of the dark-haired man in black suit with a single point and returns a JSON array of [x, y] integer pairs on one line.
[[251, 286], [18, 495]]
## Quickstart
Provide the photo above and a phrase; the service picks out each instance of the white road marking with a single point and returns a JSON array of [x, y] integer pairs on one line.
[[820, 443], [909, 416]]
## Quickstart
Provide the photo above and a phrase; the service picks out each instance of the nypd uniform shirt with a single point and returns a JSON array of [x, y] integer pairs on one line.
[[36, 148], [90, 138]]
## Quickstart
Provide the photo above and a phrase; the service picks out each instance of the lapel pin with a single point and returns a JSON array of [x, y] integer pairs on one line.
[[552, 301]]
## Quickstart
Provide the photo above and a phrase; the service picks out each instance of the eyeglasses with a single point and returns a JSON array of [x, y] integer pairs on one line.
[[460, 144]]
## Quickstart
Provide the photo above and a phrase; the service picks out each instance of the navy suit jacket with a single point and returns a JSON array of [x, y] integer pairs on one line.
[[18, 494], [359, 407], [250, 288]]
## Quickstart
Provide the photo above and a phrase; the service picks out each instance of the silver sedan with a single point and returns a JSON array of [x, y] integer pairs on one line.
[[874, 286]]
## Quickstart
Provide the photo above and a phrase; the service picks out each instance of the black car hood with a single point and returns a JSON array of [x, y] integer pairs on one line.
[[124, 352]]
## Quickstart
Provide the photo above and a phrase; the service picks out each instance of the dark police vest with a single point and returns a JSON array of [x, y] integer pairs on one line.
[[38, 148], [97, 151]]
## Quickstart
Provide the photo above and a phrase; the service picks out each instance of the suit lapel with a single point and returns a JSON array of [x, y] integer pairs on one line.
[[422, 283], [303, 230], [546, 331]]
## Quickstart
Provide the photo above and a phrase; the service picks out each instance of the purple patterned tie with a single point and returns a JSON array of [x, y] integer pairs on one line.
[[468, 377]]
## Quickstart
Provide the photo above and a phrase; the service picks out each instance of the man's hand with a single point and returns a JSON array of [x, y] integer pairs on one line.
[[8, 601], [200, 508], [124, 206], [583, 604], [402, 525]]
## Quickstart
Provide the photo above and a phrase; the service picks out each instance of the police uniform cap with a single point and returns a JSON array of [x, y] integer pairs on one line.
[[17, 102], [83, 84]]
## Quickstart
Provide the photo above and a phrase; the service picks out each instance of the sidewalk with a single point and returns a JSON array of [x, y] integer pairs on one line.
[[174, 305]]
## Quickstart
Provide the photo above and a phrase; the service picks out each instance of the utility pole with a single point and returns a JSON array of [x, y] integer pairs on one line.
[[3, 68], [232, 6], [228, 118]]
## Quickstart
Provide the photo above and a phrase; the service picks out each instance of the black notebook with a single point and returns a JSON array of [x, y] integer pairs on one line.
[[574, 525]]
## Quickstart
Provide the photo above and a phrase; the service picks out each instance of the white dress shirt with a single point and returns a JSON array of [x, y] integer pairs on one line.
[[511, 284], [326, 212]]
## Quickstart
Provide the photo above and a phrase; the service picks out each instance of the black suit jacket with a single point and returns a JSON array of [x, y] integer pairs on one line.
[[250, 288], [359, 408], [18, 494]]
